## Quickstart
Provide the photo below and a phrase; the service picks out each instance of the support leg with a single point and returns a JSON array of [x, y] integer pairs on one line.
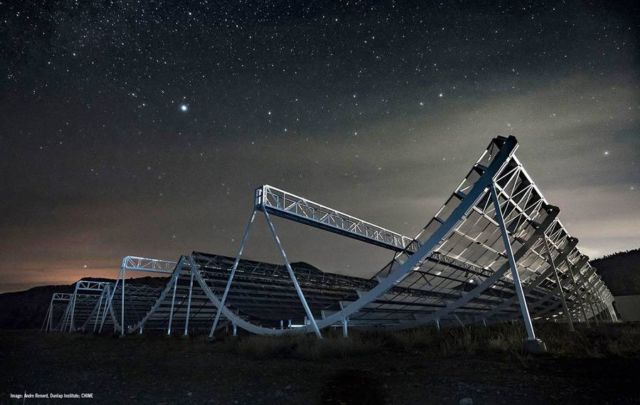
[[565, 308], [96, 321], [48, 317], [65, 317], [232, 274], [532, 343], [122, 327], [307, 310], [186, 321], [173, 302], [51, 321], [107, 307], [73, 310]]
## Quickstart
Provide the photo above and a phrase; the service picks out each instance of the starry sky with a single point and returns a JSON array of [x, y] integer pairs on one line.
[[142, 128]]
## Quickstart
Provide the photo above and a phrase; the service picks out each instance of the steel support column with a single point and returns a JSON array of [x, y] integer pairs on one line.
[[73, 309], [95, 324], [122, 328], [307, 310], [186, 321], [50, 321], [107, 308], [565, 308], [245, 236], [512, 262], [173, 302], [65, 316], [47, 319]]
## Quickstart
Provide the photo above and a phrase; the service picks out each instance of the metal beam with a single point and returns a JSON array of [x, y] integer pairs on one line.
[[186, 321], [290, 206], [303, 300], [223, 302], [512, 263], [564, 302]]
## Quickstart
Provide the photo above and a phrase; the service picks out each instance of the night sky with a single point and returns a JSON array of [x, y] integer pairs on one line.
[[142, 128]]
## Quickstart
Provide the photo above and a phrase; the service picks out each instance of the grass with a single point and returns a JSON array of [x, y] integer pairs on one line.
[[597, 365], [612, 340], [305, 347]]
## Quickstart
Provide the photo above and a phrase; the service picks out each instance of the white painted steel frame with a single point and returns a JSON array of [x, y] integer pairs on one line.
[[93, 292], [486, 184], [477, 190]]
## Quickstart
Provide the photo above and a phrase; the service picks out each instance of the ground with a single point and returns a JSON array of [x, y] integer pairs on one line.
[[157, 369]]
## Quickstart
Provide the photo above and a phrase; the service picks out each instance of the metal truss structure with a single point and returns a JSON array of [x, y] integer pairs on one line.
[[495, 251], [83, 310]]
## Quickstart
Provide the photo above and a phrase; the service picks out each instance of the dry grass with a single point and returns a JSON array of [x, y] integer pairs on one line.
[[622, 340], [303, 347]]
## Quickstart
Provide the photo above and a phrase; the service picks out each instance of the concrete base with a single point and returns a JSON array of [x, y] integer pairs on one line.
[[535, 346]]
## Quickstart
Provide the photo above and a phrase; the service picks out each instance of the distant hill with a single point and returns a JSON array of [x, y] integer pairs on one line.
[[27, 309], [620, 272]]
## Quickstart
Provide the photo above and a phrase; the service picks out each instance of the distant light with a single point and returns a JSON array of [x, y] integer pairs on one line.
[[606, 153], [441, 95], [184, 107]]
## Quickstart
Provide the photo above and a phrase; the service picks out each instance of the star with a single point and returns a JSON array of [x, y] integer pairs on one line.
[[184, 107]]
